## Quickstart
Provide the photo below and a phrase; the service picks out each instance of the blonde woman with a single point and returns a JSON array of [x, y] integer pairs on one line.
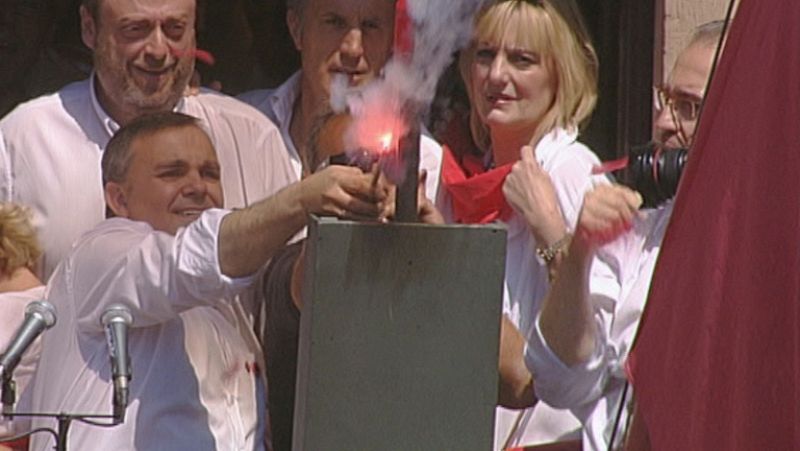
[[531, 75], [19, 251]]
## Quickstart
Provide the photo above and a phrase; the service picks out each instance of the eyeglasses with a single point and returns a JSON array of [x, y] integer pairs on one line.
[[680, 106], [682, 109]]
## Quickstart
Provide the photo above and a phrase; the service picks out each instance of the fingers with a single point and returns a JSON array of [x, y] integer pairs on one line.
[[426, 211], [608, 211], [528, 155], [421, 195], [348, 193]]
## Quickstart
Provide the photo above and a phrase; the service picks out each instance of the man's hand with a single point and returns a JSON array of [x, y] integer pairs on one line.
[[530, 192], [346, 192], [608, 211], [426, 211]]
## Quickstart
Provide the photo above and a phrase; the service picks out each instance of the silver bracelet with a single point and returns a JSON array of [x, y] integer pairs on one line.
[[549, 253]]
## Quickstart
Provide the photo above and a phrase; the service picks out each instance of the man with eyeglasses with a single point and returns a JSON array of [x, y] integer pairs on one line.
[[678, 101], [581, 339]]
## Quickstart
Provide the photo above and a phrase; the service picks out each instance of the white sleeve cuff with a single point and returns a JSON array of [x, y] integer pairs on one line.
[[197, 242], [560, 385]]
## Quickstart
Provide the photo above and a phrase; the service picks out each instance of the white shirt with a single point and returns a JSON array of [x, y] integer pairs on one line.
[[12, 314], [569, 164], [50, 151], [619, 283], [278, 105], [193, 387]]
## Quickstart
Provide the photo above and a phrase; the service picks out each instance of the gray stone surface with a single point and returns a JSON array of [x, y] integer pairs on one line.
[[399, 337]]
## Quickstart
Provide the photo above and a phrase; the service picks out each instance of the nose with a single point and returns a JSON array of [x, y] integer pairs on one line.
[[498, 72], [194, 186], [665, 124], [352, 48], [156, 48]]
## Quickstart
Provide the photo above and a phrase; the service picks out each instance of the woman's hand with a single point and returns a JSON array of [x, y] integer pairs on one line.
[[608, 211], [530, 192]]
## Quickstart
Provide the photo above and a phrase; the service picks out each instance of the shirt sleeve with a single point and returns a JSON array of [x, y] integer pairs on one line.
[[572, 179], [155, 274], [570, 387]]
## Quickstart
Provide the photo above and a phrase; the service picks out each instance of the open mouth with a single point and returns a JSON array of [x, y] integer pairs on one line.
[[498, 98], [190, 213], [353, 77], [153, 73]]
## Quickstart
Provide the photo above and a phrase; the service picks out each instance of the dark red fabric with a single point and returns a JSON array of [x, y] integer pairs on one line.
[[477, 194], [17, 445], [716, 365]]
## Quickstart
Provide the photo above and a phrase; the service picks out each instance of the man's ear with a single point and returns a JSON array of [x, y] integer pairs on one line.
[[88, 28], [295, 24], [116, 199]]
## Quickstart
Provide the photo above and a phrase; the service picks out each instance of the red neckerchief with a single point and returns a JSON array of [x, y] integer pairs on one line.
[[477, 193]]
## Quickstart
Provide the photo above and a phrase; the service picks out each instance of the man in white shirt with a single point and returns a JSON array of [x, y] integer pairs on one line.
[[334, 37], [176, 260], [50, 147], [589, 319]]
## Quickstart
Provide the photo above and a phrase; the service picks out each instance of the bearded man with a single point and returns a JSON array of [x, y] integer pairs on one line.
[[51, 146]]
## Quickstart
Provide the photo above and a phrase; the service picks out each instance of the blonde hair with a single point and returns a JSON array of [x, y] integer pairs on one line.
[[554, 30], [18, 244]]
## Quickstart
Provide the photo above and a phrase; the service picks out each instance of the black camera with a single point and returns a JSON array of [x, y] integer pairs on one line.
[[654, 170]]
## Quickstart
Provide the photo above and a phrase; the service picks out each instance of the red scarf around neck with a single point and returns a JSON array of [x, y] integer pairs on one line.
[[477, 193]]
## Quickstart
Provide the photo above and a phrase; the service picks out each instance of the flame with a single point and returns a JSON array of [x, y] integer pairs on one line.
[[378, 131], [386, 141]]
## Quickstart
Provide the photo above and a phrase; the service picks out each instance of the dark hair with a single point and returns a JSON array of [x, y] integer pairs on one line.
[[296, 5], [117, 155]]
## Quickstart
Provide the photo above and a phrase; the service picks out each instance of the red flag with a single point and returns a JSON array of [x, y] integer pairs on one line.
[[716, 365], [403, 31]]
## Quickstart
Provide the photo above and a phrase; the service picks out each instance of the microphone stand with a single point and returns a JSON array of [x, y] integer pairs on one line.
[[9, 388], [64, 419], [64, 422]]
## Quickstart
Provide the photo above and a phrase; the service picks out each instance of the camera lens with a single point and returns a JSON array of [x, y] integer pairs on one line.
[[654, 171]]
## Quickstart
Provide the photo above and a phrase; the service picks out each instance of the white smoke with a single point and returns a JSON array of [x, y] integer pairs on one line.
[[440, 28]]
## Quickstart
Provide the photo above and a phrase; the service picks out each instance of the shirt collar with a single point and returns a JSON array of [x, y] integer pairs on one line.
[[283, 98], [109, 125]]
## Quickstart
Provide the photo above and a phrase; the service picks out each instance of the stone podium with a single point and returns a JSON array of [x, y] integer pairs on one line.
[[399, 337]]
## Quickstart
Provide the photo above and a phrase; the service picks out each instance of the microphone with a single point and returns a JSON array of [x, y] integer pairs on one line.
[[39, 316], [116, 320]]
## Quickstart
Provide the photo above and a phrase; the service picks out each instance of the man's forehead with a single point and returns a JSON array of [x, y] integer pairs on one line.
[[350, 7], [149, 8], [189, 143], [691, 71]]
